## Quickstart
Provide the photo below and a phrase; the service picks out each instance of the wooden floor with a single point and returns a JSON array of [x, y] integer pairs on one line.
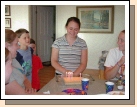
[[46, 74]]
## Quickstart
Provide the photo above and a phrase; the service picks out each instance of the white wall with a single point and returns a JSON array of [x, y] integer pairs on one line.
[[19, 17], [96, 42]]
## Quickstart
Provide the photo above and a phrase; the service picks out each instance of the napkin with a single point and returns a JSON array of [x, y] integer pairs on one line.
[[46, 92]]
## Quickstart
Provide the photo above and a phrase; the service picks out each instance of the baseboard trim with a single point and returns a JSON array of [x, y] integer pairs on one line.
[[48, 63]]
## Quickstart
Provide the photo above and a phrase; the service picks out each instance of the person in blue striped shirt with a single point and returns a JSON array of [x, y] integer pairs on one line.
[[69, 52]]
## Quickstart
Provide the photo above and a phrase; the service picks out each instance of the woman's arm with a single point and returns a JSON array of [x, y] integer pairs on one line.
[[28, 86], [13, 88], [54, 61], [83, 64], [111, 72]]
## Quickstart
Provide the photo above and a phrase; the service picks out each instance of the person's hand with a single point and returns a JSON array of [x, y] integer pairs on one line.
[[30, 90], [67, 71], [121, 61], [76, 74], [118, 76], [123, 77]]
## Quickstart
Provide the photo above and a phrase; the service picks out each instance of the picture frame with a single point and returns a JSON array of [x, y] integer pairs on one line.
[[96, 19], [7, 22], [7, 10]]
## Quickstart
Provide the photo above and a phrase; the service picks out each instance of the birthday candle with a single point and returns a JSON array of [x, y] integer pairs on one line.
[[80, 74], [69, 74], [72, 74], [66, 74]]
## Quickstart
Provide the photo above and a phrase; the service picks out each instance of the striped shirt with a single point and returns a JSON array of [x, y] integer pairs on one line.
[[69, 56]]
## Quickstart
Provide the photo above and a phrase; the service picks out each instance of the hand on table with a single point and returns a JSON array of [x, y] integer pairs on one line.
[[68, 72], [118, 76], [76, 74], [30, 90]]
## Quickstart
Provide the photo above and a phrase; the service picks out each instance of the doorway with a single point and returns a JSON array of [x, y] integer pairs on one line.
[[43, 30]]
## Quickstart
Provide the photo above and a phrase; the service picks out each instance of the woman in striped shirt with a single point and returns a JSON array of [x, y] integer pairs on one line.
[[69, 52]]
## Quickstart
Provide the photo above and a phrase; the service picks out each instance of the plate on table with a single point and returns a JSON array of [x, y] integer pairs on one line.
[[116, 93], [74, 92]]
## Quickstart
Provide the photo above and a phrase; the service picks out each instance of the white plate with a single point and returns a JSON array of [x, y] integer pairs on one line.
[[46, 92], [116, 93]]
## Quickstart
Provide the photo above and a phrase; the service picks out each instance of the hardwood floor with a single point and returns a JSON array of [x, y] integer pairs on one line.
[[46, 74]]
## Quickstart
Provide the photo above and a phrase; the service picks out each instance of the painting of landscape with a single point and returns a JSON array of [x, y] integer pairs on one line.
[[96, 19]]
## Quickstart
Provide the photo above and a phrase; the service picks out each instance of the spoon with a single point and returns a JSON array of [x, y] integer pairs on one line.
[[92, 78]]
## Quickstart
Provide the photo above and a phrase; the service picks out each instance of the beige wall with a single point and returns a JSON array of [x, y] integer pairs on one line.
[[19, 17], [96, 42]]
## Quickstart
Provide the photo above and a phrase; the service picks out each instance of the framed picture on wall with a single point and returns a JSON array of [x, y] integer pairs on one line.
[[7, 22], [96, 19], [7, 10]]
